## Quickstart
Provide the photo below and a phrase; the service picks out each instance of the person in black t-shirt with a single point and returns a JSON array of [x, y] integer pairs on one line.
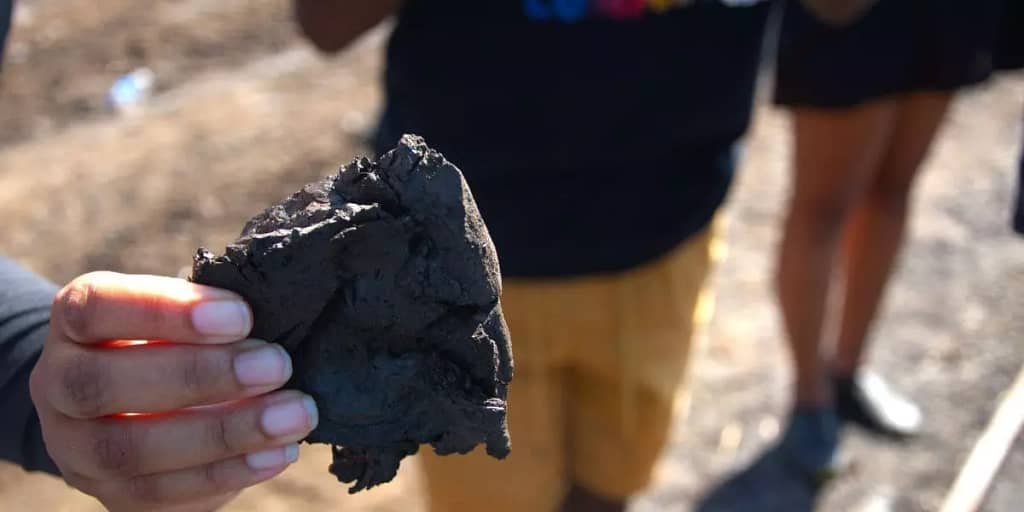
[[598, 138]]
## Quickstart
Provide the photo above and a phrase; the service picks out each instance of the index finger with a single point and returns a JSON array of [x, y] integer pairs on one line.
[[104, 306]]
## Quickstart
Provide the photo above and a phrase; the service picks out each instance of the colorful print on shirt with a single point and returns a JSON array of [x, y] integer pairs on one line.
[[570, 11]]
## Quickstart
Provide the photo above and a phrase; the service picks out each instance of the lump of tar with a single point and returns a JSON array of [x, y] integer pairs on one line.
[[383, 284]]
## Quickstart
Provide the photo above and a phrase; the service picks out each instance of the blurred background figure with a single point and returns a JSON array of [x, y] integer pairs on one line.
[[598, 138], [866, 101]]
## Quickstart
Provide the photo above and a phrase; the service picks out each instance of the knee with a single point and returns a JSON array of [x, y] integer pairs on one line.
[[819, 218], [890, 196]]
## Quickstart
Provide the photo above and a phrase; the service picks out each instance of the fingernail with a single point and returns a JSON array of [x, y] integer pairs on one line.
[[312, 411], [290, 418], [265, 366], [291, 452], [273, 458], [222, 318]]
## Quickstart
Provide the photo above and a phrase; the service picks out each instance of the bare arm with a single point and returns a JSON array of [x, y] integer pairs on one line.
[[332, 24], [838, 12]]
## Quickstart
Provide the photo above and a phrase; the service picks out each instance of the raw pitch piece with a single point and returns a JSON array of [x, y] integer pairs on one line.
[[383, 284]]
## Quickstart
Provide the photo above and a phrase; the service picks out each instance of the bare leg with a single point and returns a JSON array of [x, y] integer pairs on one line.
[[874, 235], [836, 155], [582, 500]]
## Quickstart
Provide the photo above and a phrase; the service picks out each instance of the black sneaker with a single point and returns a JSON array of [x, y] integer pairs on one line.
[[789, 475], [810, 444], [867, 400]]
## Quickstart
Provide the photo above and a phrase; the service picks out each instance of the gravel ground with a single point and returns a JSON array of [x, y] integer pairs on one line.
[[1006, 493], [242, 118]]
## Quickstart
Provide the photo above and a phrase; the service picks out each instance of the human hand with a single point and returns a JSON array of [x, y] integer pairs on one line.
[[203, 418]]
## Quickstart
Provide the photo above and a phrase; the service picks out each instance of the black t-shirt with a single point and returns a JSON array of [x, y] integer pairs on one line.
[[595, 134]]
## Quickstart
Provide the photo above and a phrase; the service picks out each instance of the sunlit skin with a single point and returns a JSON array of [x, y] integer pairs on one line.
[[146, 424], [127, 343], [847, 218]]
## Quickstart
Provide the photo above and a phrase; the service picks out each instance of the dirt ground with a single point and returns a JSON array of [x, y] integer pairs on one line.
[[244, 113]]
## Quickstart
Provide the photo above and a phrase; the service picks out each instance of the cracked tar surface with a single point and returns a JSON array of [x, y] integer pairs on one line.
[[383, 284]]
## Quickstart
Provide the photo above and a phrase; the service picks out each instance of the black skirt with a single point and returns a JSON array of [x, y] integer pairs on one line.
[[898, 46]]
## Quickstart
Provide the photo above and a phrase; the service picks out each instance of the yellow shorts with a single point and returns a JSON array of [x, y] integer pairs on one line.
[[600, 363]]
